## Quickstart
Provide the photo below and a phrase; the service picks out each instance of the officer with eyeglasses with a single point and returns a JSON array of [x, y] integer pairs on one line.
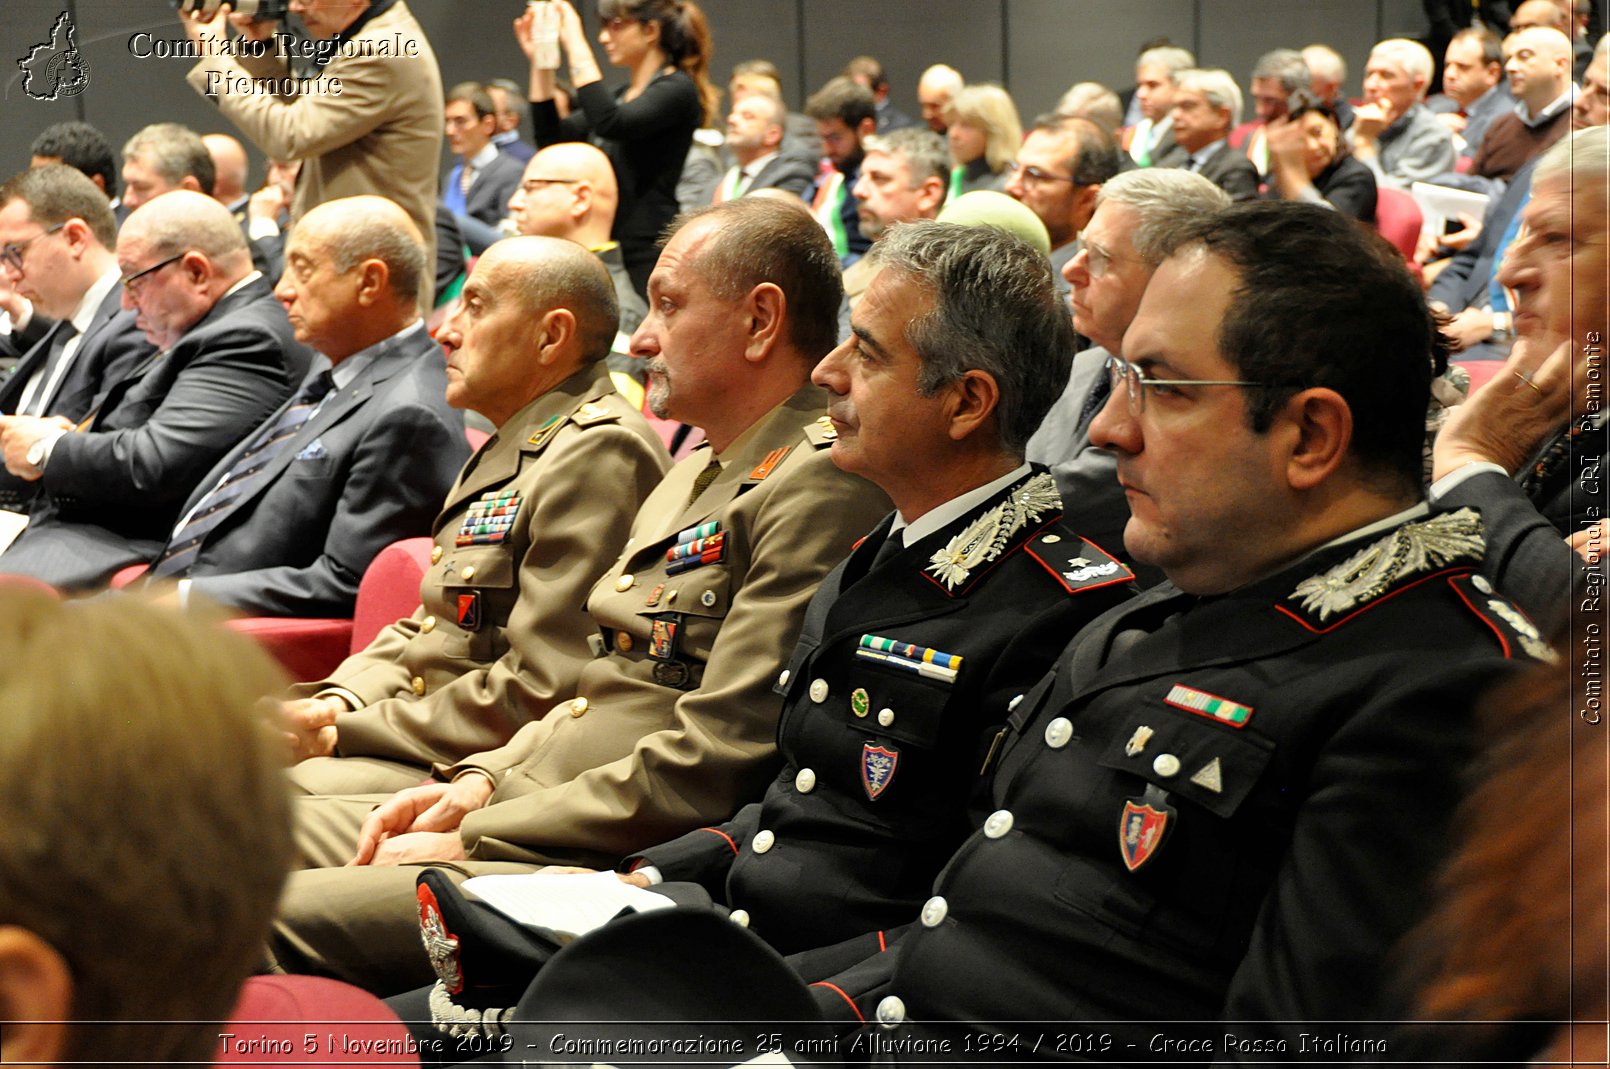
[[1210, 823]]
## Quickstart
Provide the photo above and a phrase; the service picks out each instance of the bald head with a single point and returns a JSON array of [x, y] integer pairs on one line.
[[354, 229], [568, 191], [534, 311], [183, 220], [1538, 64], [229, 163], [1540, 13], [187, 251]]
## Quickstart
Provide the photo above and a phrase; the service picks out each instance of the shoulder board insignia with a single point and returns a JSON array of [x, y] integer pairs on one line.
[[821, 433], [545, 431], [1415, 549], [1076, 563], [1508, 622], [769, 465], [987, 536], [593, 412]]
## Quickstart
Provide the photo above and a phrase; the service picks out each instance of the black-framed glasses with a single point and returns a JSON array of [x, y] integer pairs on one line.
[[531, 185], [1036, 174], [1137, 385], [133, 282], [11, 255]]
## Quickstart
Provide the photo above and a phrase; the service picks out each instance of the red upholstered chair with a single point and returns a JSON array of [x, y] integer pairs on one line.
[[1480, 372], [28, 582], [1398, 218], [475, 437], [310, 648], [277, 1016]]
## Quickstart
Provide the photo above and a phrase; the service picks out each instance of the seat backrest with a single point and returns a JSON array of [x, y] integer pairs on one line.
[[390, 588], [476, 437], [1398, 218]]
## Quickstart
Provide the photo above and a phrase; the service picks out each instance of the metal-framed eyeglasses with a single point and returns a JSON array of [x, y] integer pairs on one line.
[[11, 255], [1035, 174], [531, 185], [1137, 385], [133, 283]]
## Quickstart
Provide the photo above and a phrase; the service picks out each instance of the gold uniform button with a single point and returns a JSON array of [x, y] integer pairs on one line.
[[624, 583], [578, 706], [418, 686], [468, 573], [428, 626], [623, 642], [436, 554]]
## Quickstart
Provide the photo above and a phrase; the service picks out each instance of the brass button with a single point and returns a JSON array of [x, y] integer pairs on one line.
[[418, 686], [468, 573], [624, 583], [436, 554], [623, 641], [428, 626], [578, 706]]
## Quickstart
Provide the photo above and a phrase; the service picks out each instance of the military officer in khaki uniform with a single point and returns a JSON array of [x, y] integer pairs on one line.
[[674, 725], [500, 635]]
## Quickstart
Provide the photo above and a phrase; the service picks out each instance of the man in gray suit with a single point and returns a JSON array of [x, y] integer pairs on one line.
[[1135, 212], [286, 523]]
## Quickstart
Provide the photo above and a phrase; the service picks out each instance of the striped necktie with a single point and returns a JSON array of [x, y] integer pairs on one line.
[[180, 555]]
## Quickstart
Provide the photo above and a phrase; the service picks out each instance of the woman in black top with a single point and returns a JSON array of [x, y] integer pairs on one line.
[[1308, 160], [645, 128]]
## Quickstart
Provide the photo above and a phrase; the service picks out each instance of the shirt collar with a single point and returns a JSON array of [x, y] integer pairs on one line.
[[90, 303], [954, 509], [756, 165], [1557, 105], [344, 373], [483, 158], [1205, 153]]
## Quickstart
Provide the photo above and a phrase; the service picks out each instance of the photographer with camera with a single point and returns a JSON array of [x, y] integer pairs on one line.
[[368, 122]]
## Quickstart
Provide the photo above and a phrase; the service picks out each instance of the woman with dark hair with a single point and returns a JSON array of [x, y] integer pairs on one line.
[[644, 128], [1309, 160]]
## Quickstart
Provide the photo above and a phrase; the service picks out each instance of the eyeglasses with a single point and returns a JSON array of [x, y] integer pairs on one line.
[[1136, 385], [134, 282], [1098, 259], [531, 185], [1035, 174], [11, 255]]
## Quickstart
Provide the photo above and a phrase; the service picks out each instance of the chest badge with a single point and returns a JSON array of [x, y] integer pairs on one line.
[[877, 768], [1141, 828]]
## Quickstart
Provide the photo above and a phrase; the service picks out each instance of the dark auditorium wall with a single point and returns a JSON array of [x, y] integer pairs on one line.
[[1037, 48]]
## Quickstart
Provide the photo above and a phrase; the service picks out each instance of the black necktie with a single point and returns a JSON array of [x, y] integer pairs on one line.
[[62, 333], [212, 509], [1094, 402]]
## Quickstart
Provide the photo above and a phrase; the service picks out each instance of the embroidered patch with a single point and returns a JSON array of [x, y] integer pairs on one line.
[[441, 945], [1413, 549], [769, 465], [986, 537]]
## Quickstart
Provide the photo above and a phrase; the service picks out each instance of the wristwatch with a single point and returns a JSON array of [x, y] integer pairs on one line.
[[1503, 326], [38, 451]]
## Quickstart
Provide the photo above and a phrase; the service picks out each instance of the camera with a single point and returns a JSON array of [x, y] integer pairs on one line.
[[262, 10]]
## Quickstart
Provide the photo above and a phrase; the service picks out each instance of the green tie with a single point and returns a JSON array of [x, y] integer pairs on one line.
[[705, 478]]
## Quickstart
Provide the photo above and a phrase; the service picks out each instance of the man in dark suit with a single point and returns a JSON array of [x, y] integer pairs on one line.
[[1207, 106], [478, 188], [756, 136], [110, 487], [1528, 449], [286, 523], [1226, 802], [56, 239]]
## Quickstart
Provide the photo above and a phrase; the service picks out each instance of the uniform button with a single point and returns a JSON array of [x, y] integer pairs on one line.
[[782, 680], [1058, 733], [763, 842], [708, 598], [418, 686], [428, 626], [998, 824], [670, 599], [891, 1012], [1051, 540], [623, 641], [468, 573], [1012, 705], [805, 781], [886, 717], [1166, 764], [818, 691], [933, 912], [740, 917], [436, 554], [624, 583], [578, 706]]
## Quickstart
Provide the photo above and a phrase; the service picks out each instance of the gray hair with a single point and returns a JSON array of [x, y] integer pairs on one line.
[[1217, 86], [174, 152], [1173, 58], [923, 150], [514, 100], [1411, 56], [1093, 101], [1325, 62], [1583, 157], [1165, 199], [181, 221], [1286, 64], [995, 309]]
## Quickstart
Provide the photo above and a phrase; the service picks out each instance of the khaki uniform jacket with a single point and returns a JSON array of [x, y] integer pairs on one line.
[[500, 635], [639, 757], [382, 134]]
